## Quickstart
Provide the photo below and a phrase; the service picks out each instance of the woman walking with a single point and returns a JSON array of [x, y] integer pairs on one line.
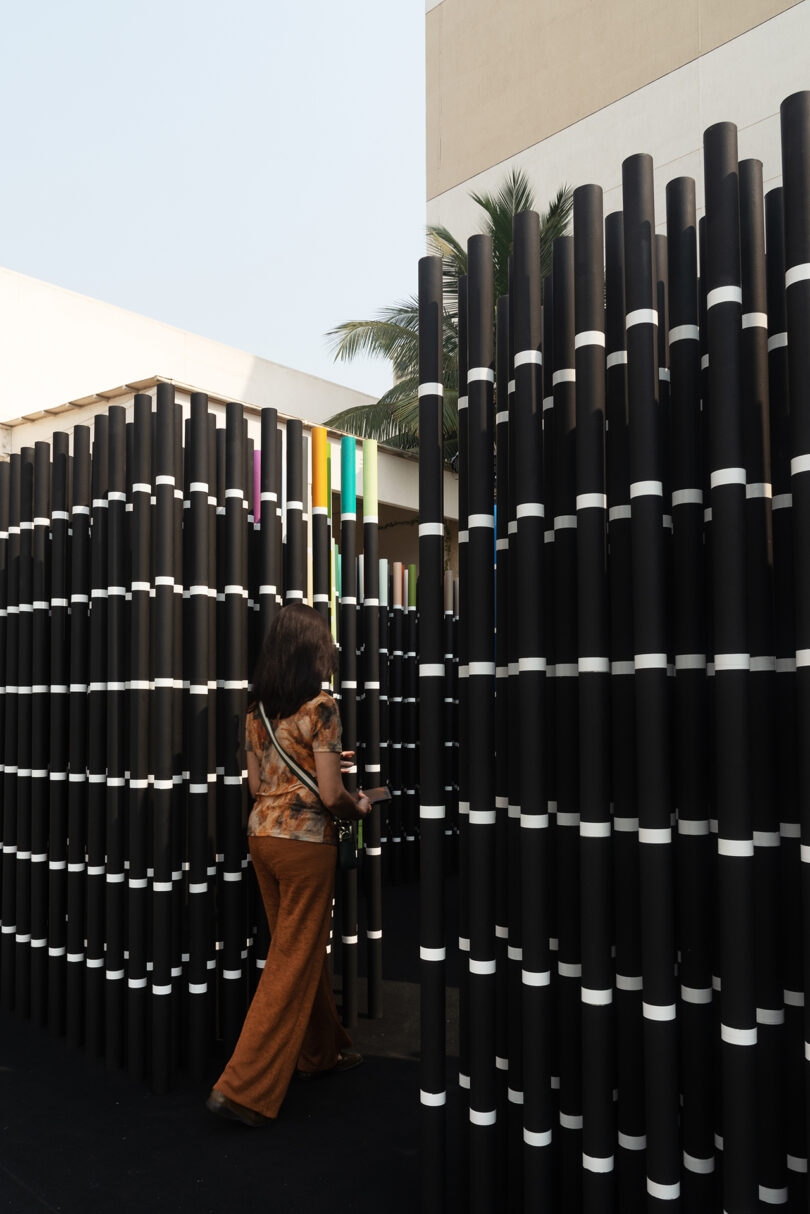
[[292, 1022]]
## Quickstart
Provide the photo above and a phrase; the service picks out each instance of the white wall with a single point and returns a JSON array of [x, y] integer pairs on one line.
[[58, 346], [743, 81]]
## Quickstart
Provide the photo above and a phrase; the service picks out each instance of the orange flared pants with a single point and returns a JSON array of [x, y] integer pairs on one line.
[[292, 1020]]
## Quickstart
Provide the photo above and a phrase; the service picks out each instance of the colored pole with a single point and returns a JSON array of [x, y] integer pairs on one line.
[[372, 762], [348, 707]]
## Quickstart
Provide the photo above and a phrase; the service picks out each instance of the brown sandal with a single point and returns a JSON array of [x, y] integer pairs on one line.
[[220, 1104]]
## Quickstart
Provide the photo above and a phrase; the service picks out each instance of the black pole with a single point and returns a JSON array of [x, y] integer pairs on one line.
[[651, 691], [116, 834], [795, 124], [40, 730], [769, 988], [232, 737], [10, 742], [596, 888], [628, 997], [431, 794], [690, 722], [162, 729], [481, 720], [507, 1019], [77, 736], [295, 551], [140, 675], [7, 846], [22, 936], [200, 674], [58, 725], [97, 744], [735, 844], [785, 770], [569, 962]]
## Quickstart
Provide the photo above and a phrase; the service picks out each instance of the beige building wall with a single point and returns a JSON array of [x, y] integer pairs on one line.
[[743, 80], [503, 77]]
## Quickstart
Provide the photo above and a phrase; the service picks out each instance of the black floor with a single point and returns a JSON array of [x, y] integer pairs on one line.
[[76, 1138]]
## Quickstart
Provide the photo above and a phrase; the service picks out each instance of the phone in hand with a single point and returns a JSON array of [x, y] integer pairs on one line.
[[383, 793]]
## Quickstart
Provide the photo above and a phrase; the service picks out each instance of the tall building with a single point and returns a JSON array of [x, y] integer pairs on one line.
[[566, 89]]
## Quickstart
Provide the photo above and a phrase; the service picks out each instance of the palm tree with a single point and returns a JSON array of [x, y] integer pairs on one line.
[[394, 333]]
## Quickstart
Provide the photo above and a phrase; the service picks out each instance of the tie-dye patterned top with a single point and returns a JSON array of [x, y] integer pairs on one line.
[[284, 807]]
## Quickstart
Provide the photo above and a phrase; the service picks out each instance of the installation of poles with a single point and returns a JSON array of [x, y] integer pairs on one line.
[[141, 564], [634, 789]]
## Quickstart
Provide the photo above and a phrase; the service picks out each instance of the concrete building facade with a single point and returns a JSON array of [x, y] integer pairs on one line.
[[566, 89]]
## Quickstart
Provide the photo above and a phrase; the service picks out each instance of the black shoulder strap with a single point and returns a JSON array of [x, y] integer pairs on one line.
[[299, 772]]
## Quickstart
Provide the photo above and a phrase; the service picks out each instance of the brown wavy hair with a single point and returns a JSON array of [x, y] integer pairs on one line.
[[297, 656]]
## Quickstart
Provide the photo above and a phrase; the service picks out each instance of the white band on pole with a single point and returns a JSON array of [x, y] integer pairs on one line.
[[799, 273], [684, 333], [721, 295]]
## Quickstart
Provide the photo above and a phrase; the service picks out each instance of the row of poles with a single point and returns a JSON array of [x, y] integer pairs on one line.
[[141, 564], [634, 703]]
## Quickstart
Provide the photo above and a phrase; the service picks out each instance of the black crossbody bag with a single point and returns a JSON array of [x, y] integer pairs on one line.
[[347, 840]]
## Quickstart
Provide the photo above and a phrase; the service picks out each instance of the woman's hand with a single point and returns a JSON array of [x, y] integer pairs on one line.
[[346, 761], [364, 806]]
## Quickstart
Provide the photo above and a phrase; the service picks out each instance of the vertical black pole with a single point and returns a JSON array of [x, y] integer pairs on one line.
[[464, 591], [785, 770], [162, 728], [652, 695], [140, 675], [269, 556], [596, 889], [295, 587], [234, 706], [569, 964], [22, 936], [507, 1021], [735, 844], [431, 796], [40, 730], [116, 846], [58, 777], [526, 550], [690, 722], [7, 845], [200, 851], [77, 734], [769, 987], [10, 745], [481, 720], [631, 1139], [795, 121], [97, 744]]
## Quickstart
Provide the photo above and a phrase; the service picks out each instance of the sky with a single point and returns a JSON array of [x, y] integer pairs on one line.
[[253, 171]]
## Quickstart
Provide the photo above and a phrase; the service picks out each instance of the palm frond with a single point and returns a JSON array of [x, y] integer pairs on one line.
[[393, 333], [554, 222], [368, 421]]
